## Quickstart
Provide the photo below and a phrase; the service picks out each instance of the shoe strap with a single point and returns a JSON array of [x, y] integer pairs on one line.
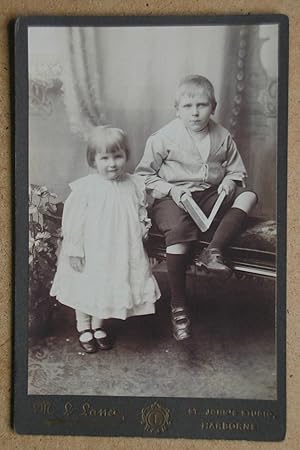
[[89, 340], [102, 331], [214, 250], [178, 309], [88, 330], [181, 334], [179, 314], [216, 254]]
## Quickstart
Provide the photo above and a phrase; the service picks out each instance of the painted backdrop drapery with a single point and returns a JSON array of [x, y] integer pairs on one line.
[[128, 76], [82, 81]]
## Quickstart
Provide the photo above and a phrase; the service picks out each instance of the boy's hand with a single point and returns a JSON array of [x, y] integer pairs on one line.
[[228, 186], [177, 193], [77, 263]]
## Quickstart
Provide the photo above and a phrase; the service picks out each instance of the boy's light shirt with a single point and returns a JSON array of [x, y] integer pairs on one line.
[[172, 158], [204, 147]]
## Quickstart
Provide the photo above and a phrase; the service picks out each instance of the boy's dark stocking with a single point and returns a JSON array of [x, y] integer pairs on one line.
[[176, 264], [229, 227]]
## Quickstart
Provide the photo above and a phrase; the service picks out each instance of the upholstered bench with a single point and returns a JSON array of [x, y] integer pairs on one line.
[[253, 253]]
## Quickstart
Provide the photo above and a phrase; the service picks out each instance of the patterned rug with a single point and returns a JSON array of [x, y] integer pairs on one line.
[[231, 354]]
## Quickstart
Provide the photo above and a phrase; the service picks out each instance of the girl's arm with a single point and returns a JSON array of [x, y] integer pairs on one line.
[[143, 216], [145, 221], [73, 223]]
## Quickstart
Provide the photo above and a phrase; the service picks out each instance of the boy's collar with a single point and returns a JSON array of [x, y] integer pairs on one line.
[[177, 133], [218, 134]]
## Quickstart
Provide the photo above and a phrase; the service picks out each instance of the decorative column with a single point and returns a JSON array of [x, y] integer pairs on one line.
[[251, 113]]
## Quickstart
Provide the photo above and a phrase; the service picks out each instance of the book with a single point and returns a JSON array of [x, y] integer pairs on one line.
[[201, 220]]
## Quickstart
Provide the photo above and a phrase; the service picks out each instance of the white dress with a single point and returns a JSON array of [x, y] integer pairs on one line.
[[104, 221]]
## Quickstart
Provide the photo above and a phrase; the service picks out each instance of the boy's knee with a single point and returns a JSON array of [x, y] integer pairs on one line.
[[246, 200], [178, 249], [249, 195]]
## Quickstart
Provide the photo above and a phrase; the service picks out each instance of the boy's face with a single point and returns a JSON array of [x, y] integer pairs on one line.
[[111, 165], [195, 110]]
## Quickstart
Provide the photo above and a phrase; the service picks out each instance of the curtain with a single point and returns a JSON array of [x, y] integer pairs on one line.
[[127, 77], [82, 81]]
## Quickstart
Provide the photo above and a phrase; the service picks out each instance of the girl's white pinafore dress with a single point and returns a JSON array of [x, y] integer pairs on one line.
[[104, 222]]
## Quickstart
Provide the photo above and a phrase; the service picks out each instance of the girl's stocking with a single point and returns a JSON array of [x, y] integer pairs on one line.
[[83, 322], [97, 323]]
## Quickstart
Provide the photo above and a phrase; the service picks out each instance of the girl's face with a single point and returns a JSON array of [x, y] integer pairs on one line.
[[195, 110], [111, 165]]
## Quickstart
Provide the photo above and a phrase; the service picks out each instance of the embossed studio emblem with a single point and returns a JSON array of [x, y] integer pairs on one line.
[[155, 418]]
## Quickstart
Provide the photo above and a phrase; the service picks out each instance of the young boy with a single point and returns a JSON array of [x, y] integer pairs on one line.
[[193, 155]]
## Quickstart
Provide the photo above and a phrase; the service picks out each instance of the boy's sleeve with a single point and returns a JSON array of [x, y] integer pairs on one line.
[[73, 223], [235, 169], [142, 207], [149, 167]]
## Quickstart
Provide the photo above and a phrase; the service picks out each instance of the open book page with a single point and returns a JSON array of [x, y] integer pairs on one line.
[[196, 213]]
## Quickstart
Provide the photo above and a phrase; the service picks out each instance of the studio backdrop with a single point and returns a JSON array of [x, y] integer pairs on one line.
[[127, 77]]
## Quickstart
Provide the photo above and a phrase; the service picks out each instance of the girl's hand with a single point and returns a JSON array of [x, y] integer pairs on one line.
[[153, 261], [77, 263], [177, 193], [145, 231], [228, 186]]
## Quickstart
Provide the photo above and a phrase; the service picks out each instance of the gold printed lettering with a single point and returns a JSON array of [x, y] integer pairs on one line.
[[44, 408], [221, 412], [89, 411], [227, 426], [85, 409], [192, 411], [68, 409], [258, 413]]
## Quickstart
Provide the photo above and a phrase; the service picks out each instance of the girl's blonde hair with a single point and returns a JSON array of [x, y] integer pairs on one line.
[[188, 84], [105, 139]]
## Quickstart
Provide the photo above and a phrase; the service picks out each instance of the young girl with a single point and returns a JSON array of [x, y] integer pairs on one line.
[[103, 271]]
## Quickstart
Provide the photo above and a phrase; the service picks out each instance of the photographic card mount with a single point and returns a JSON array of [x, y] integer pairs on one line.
[[54, 402]]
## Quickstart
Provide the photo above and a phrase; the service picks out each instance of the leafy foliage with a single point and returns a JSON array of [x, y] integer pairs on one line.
[[44, 243]]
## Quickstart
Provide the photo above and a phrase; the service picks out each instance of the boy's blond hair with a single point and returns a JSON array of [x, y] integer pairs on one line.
[[188, 84]]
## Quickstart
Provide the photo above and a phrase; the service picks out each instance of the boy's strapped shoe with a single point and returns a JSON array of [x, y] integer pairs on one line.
[[88, 346], [212, 260], [181, 323], [104, 342]]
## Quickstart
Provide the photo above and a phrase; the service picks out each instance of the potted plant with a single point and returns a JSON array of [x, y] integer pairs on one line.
[[44, 243]]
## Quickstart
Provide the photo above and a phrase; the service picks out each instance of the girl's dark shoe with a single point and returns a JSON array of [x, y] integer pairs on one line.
[[89, 346], [212, 260], [181, 324], [104, 343]]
